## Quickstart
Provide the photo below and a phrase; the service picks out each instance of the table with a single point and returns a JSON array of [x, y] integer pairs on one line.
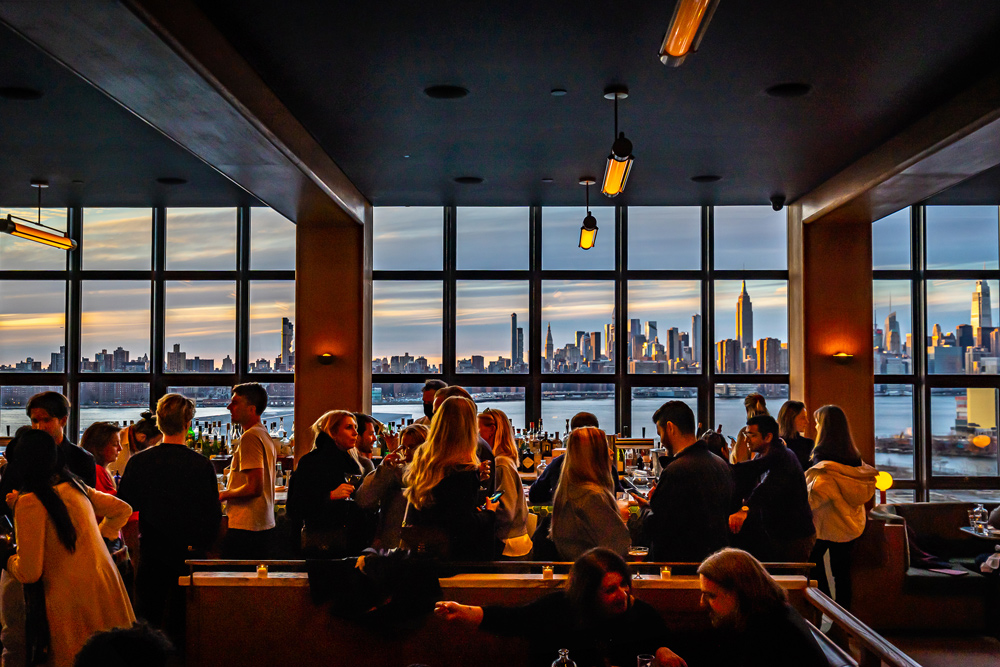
[[992, 537]]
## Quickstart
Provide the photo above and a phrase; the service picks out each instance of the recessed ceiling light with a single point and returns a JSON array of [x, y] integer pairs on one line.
[[706, 178], [77, 181], [445, 92], [546, 180], [469, 180], [406, 156], [171, 180], [558, 92], [19, 93], [792, 89]]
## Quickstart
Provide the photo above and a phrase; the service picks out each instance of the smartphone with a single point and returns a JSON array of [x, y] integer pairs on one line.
[[638, 495], [496, 496]]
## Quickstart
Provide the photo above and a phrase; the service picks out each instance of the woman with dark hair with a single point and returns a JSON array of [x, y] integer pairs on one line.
[[595, 618], [839, 484], [383, 489], [135, 438], [60, 543], [102, 439], [793, 421]]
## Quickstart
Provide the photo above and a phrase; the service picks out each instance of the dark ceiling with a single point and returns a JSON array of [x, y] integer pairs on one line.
[[354, 75]]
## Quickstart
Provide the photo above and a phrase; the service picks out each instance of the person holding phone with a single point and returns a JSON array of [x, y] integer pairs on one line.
[[512, 513], [320, 495]]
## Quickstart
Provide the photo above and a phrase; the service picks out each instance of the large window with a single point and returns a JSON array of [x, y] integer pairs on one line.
[[936, 350], [192, 297], [504, 301]]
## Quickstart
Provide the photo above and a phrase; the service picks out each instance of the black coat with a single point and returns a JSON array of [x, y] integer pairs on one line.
[[319, 472], [453, 510], [778, 501]]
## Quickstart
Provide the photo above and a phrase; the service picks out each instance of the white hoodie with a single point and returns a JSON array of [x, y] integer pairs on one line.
[[837, 495]]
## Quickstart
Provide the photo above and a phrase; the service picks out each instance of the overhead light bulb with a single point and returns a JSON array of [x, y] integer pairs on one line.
[[687, 29], [620, 159], [588, 232]]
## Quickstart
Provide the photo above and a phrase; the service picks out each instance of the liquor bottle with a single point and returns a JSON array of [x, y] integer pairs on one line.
[[621, 462], [282, 434], [563, 660], [527, 463], [546, 446], [567, 428], [640, 463], [557, 442], [189, 438]]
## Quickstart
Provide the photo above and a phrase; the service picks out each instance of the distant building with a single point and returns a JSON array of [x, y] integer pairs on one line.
[[176, 360], [744, 318]]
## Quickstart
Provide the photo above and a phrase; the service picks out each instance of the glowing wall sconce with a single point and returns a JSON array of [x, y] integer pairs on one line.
[[842, 357], [883, 482], [325, 359]]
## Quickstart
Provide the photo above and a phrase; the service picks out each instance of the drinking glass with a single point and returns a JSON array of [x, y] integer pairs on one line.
[[644, 660], [972, 518]]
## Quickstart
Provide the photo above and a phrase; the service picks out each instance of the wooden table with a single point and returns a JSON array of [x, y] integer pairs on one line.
[[990, 536]]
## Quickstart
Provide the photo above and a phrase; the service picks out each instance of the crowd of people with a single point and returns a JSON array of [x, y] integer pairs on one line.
[[448, 487]]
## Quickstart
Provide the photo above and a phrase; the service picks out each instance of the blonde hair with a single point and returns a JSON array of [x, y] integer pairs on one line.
[[329, 422], [587, 464], [415, 430], [503, 439], [173, 413], [451, 442]]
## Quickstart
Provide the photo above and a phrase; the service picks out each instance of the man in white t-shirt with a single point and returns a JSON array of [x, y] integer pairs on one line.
[[249, 496]]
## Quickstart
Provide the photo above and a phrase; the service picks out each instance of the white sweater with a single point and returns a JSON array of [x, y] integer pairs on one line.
[[837, 495]]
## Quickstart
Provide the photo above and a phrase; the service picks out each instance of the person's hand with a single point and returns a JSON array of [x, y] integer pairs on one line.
[[391, 441], [736, 521], [342, 492], [639, 500], [12, 498], [491, 505], [484, 471], [623, 506], [452, 611], [667, 658], [392, 458], [741, 450], [652, 489]]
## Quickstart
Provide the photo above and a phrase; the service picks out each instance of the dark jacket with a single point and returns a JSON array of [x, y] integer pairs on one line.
[[688, 518], [485, 453], [319, 472], [781, 637], [454, 512], [802, 447], [79, 461], [543, 490]]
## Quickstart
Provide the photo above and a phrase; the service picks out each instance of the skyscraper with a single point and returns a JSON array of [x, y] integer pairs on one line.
[[696, 338], [286, 342], [595, 345], [893, 339], [651, 332], [513, 338], [549, 348], [982, 314], [519, 359], [744, 318]]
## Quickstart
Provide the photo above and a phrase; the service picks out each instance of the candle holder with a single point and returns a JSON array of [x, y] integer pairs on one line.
[[262, 571], [547, 572], [665, 572]]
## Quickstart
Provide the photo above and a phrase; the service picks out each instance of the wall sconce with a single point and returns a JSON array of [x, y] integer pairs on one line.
[[325, 359], [588, 232], [842, 357], [883, 482]]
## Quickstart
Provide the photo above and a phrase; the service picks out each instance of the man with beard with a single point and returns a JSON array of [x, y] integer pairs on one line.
[[688, 513], [750, 611], [430, 388]]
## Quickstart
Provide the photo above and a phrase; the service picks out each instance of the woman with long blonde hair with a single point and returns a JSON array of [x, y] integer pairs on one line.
[[442, 488], [585, 514], [512, 514]]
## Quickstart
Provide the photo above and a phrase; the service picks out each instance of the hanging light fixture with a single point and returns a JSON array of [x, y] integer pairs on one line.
[[620, 160], [588, 232], [36, 231], [687, 28]]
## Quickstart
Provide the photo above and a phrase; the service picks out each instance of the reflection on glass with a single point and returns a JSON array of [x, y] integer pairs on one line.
[[578, 321], [730, 412], [117, 239], [989, 497], [664, 326], [894, 430], [406, 326], [750, 237], [893, 339], [115, 326], [964, 432], [561, 239], [13, 401], [272, 241], [560, 402], [492, 238], [118, 402], [751, 326], [18, 254], [891, 241], [649, 227], [272, 326], [647, 400], [963, 338], [491, 326], [962, 237], [893, 496], [201, 239], [32, 319], [200, 326], [408, 238]]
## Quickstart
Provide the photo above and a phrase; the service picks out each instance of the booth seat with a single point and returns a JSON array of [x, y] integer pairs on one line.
[[890, 594]]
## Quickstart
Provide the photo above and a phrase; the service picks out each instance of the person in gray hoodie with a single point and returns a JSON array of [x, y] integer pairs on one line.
[[839, 484]]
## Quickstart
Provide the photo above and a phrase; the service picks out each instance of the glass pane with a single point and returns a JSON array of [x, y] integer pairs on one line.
[[492, 238], [578, 317], [280, 406], [509, 400], [12, 403], [397, 402], [210, 402], [560, 402], [751, 326], [22, 254], [989, 497], [750, 237], [664, 326], [962, 237], [492, 326], [118, 402], [201, 239], [115, 317], [730, 412], [408, 238], [406, 326], [962, 338], [893, 338], [964, 432], [103, 231], [664, 238], [894, 430], [899, 496], [561, 239], [200, 326], [32, 317], [272, 325], [891, 241], [647, 400], [272, 241]]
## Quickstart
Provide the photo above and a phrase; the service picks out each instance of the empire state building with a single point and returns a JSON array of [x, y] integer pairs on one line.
[[744, 318]]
